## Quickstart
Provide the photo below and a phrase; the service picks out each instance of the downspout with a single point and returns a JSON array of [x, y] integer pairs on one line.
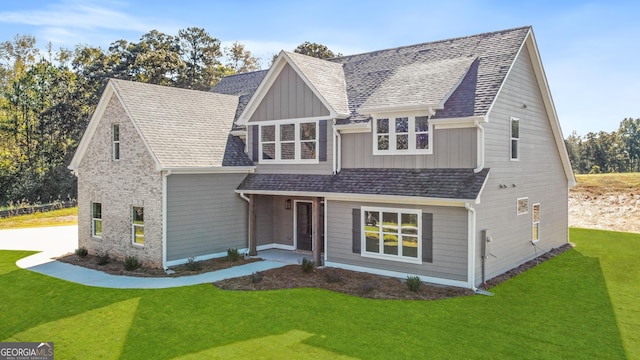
[[480, 140], [243, 196], [335, 145], [164, 219], [471, 271]]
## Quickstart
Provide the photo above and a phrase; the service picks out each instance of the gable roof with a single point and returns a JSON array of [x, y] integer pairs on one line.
[[182, 129], [440, 184], [242, 85]]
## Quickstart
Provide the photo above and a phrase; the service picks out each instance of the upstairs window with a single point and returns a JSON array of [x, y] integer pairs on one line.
[[401, 135], [116, 141], [515, 139], [138, 226], [96, 220], [289, 142]]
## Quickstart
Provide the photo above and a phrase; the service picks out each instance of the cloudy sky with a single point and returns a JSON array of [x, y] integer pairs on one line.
[[590, 49]]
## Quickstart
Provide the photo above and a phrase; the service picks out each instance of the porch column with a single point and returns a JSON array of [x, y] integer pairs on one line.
[[315, 232], [253, 251]]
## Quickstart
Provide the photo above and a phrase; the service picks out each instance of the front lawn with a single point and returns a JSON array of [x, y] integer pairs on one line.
[[581, 304]]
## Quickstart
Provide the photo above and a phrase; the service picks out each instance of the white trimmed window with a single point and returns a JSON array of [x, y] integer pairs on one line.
[[137, 228], [116, 141], [536, 222], [96, 220], [515, 138], [392, 234], [401, 135], [522, 206], [289, 142]]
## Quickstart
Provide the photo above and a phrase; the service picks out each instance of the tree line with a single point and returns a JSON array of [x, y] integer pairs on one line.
[[47, 97], [606, 152]]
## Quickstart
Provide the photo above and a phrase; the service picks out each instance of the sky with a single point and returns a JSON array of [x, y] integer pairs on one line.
[[590, 49]]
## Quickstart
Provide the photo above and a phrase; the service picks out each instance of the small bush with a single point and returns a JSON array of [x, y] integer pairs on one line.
[[233, 255], [333, 277], [413, 283], [256, 277], [82, 251], [193, 265], [308, 266], [369, 286], [103, 258], [131, 263]]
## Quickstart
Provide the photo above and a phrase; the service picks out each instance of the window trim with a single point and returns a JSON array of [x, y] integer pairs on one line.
[[297, 141], [535, 224], [134, 226], [526, 207], [512, 139], [411, 149], [381, 255], [115, 130], [95, 219]]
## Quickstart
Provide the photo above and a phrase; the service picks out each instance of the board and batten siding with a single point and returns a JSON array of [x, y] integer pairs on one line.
[[289, 98], [538, 175], [204, 215], [449, 241], [453, 148]]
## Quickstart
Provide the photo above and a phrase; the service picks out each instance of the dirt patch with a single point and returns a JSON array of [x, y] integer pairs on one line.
[[116, 267], [605, 211]]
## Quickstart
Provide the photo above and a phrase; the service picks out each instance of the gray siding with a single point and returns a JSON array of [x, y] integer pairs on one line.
[[274, 222], [289, 98], [449, 241], [453, 148], [538, 175], [204, 215]]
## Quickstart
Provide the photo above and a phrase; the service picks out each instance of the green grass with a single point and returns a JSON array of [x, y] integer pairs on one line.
[[60, 217], [579, 305]]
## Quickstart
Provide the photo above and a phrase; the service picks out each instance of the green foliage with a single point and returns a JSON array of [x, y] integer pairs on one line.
[[103, 258], [131, 263], [579, 305], [82, 251], [315, 50], [233, 255], [413, 283], [308, 266]]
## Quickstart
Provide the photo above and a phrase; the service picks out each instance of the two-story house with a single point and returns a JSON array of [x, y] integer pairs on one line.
[[443, 160]]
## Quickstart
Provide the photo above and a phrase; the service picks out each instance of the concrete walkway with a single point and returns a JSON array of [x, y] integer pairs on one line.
[[56, 241]]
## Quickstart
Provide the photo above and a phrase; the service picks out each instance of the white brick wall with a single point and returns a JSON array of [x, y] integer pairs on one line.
[[118, 186]]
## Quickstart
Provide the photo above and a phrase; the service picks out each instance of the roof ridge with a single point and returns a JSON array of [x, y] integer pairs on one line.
[[431, 42]]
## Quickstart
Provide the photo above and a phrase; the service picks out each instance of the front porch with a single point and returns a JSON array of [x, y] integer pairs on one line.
[[284, 256]]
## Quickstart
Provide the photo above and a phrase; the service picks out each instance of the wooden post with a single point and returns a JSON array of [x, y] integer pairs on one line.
[[253, 248], [315, 232]]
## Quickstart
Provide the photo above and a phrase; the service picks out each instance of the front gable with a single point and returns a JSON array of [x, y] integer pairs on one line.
[[289, 97]]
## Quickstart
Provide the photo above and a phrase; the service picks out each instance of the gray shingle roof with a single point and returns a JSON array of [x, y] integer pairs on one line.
[[242, 85], [183, 128], [460, 184]]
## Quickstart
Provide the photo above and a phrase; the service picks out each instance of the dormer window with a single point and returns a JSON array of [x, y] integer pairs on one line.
[[289, 142], [400, 135]]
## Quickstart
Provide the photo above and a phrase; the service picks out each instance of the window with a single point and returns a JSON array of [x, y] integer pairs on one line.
[[536, 222], [392, 234], [116, 142], [522, 206], [96, 220], [515, 139], [138, 226], [401, 135], [289, 142]]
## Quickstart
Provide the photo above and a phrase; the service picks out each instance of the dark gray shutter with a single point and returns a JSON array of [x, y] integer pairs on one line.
[[322, 140], [427, 237], [355, 228], [255, 145]]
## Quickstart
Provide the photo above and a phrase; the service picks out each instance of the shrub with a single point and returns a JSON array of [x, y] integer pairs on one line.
[[256, 277], [103, 258], [368, 286], [82, 251], [233, 255], [131, 263], [308, 266], [413, 283], [193, 265], [333, 276]]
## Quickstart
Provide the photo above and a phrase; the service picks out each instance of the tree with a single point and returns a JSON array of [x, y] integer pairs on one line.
[[200, 53], [315, 50], [240, 60]]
